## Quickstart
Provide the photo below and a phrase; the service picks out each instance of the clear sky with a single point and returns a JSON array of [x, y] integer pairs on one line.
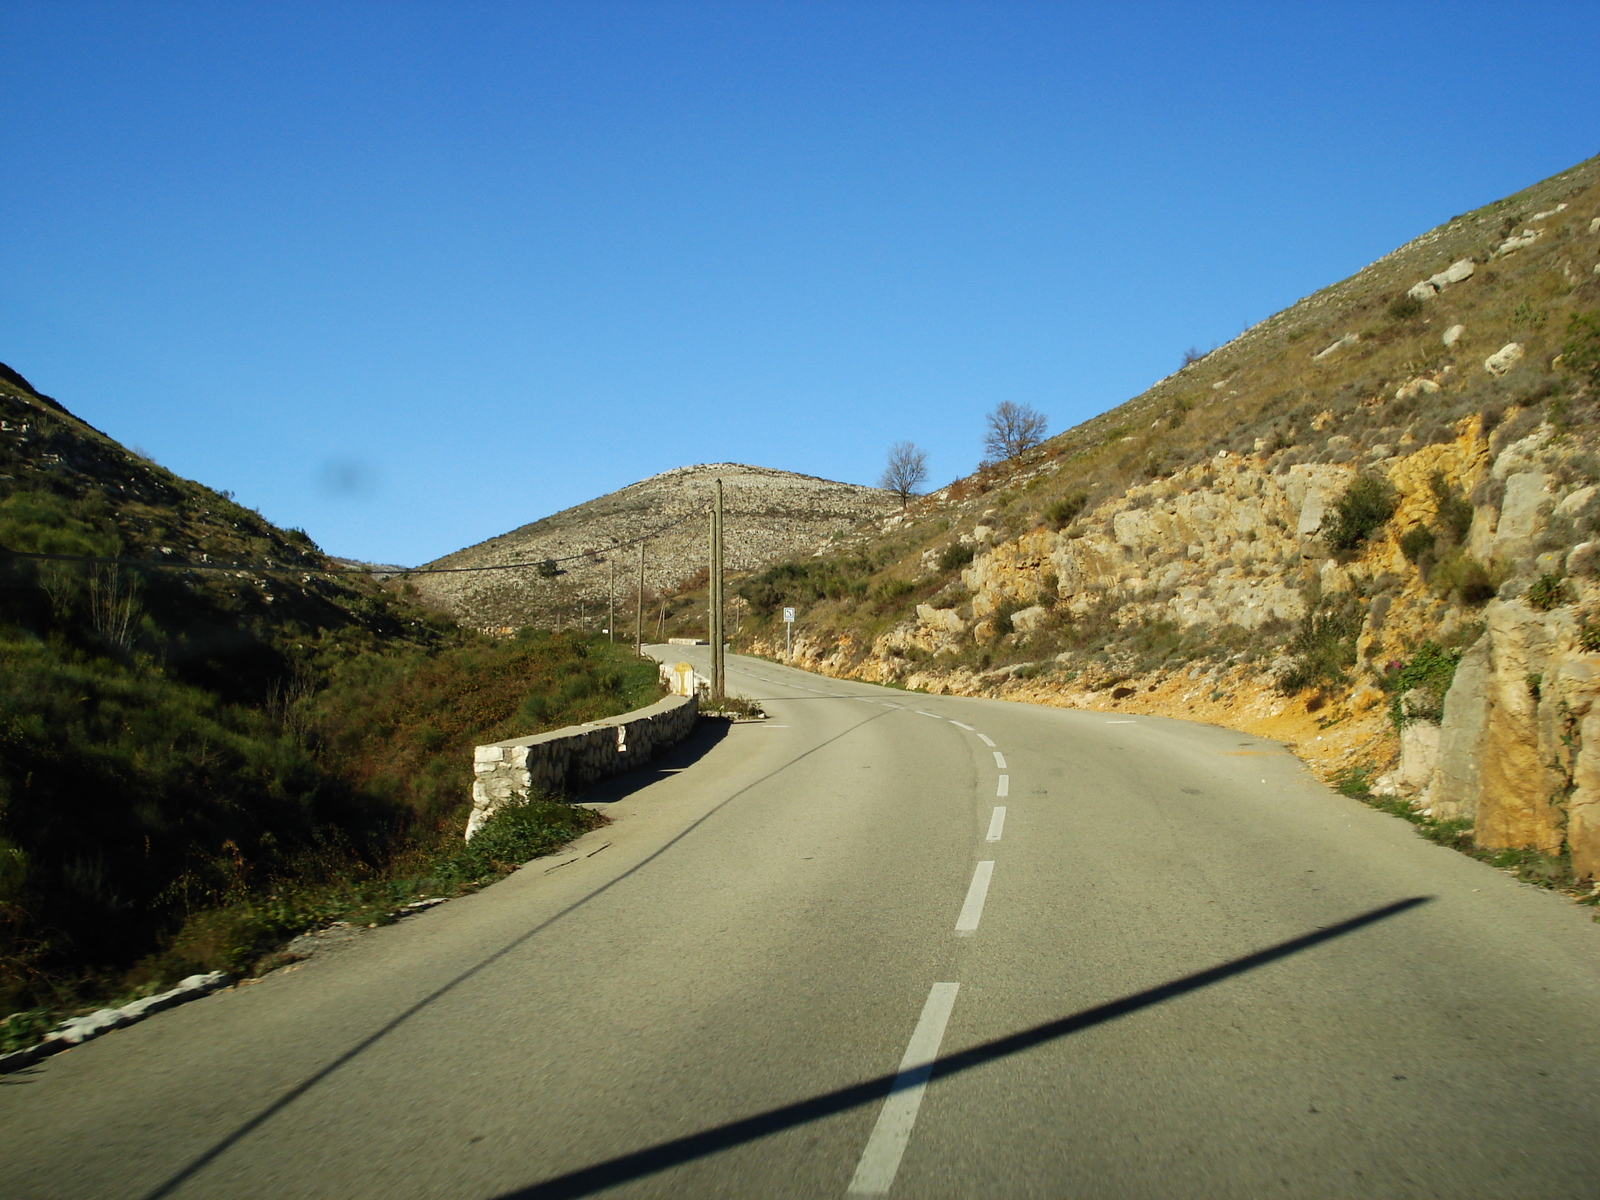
[[410, 275]]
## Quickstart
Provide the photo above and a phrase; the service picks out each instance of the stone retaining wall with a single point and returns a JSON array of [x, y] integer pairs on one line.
[[565, 760]]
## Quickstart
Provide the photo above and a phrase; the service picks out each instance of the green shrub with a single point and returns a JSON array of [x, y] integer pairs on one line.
[[1547, 592], [1065, 510], [1457, 573], [1355, 782], [806, 582], [1474, 587], [1404, 308], [1425, 677], [1528, 315], [1589, 637], [1417, 542], [888, 594], [1366, 504], [1002, 617], [513, 836], [955, 556], [1580, 353], [1324, 648], [1455, 512]]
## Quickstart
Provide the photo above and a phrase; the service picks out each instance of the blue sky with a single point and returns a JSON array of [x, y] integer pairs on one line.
[[411, 275]]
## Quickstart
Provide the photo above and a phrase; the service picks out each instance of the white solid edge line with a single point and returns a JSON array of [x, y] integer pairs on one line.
[[1000, 760], [997, 823], [962, 725], [986, 739], [1003, 787], [972, 908], [1122, 722], [880, 1161]]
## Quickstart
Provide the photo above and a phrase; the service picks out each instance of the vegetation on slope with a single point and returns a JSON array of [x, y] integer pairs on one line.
[[194, 764]]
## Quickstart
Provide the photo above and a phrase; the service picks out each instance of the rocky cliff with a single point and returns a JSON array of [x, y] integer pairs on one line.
[[1368, 527]]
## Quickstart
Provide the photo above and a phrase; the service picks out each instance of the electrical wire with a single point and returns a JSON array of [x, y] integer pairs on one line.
[[156, 564]]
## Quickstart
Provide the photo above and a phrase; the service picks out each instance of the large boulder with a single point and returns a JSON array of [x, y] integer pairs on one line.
[[1503, 359], [1527, 502]]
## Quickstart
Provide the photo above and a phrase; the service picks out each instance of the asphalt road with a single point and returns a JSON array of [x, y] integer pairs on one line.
[[811, 957]]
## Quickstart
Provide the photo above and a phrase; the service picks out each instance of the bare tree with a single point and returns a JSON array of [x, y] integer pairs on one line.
[[1013, 428], [906, 472]]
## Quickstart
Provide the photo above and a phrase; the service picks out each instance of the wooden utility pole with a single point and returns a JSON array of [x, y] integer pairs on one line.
[[718, 678], [638, 613]]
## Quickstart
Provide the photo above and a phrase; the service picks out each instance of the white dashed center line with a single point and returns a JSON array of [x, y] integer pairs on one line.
[[986, 739], [920, 713], [1000, 760], [962, 725], [972, 909], [881, 1159], [997, 823], [1003, 786]]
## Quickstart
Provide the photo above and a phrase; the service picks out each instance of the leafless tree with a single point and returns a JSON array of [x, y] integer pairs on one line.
[[113, 606], [906, 472], [1013, 428]]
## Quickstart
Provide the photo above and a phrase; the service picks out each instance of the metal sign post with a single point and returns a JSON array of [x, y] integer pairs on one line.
[[788, 631]]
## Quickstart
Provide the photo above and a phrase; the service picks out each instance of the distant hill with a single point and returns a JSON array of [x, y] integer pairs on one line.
[[768, 515]]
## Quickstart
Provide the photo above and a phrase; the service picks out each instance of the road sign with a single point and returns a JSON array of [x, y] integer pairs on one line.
[[788, 615], [788, 630]]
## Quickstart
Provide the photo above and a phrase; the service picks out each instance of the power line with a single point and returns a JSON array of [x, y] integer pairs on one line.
[[157, 564]]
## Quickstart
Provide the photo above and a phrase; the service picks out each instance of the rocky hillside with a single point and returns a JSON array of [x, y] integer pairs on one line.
[[1367, 526], [768, 515]]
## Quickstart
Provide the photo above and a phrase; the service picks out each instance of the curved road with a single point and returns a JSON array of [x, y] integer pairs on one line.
[[892, 943]]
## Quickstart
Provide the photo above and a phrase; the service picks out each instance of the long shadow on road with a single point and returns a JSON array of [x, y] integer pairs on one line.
[[707, 733], [653, 1159], [692, 747]]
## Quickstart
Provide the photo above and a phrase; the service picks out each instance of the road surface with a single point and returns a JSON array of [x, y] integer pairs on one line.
[[890, 943]]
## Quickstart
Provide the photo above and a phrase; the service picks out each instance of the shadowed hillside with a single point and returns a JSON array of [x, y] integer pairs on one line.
[[196, 763]]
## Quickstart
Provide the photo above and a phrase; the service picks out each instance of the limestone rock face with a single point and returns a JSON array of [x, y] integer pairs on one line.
[[1513, 740], [943, 620], [1579, 685], [1527, 502], [1030, 619], [1453, 794]]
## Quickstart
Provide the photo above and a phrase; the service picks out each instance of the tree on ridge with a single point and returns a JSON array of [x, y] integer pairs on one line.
[[1013, 428], [906, 472]]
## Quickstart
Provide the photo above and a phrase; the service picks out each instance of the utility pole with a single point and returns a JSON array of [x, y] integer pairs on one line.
[[718, 677], [638, 613], [611, 599]]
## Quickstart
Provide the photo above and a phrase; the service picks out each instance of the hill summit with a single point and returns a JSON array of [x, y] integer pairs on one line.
[[577, 559]]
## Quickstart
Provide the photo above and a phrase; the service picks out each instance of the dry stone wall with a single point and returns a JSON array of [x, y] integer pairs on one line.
[[566, 760]]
